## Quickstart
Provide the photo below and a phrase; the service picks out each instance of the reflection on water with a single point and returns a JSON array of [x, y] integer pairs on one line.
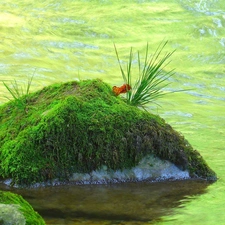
[[129, 203]]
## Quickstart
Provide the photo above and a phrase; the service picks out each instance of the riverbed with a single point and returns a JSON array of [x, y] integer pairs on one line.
[[62, 40]]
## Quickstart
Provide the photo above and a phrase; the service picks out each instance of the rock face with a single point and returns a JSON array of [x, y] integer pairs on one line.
[[80, 127], [14, 210], [10, 214], [150, 168]]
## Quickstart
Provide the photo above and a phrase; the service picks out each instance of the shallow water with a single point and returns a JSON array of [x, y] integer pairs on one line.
[[127, 203], [62, 40]]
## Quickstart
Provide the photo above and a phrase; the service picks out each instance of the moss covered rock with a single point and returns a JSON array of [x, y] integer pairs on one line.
[[15, 210], [78, 127]]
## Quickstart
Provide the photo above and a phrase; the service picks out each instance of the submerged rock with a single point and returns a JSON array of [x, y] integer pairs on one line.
[[74, 128]]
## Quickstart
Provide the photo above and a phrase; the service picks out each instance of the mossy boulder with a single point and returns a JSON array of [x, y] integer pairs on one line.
[[15, 210], [78, 127]]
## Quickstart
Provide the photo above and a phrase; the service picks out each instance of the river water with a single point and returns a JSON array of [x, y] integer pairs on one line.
[[62, 40]]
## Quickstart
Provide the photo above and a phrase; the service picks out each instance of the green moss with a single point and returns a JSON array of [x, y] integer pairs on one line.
[[27, 212], [78, 127]]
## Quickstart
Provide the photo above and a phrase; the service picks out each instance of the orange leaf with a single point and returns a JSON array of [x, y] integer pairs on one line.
[[123, 89]]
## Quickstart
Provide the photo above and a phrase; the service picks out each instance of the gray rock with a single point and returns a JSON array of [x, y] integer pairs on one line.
[[10, 215]]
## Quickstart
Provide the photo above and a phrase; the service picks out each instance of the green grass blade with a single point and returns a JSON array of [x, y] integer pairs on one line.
[[121, 69], [17, 91], [10, 90], [151, 76], [29, 83]]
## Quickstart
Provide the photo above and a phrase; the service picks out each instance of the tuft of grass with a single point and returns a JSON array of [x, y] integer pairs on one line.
[[151, 76], [17, 92]]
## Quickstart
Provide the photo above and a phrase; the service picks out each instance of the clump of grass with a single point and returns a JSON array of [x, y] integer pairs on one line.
[[151, 76], [17, 91]]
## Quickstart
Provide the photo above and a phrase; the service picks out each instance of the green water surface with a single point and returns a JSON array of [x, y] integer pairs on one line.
[[61, 40]]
